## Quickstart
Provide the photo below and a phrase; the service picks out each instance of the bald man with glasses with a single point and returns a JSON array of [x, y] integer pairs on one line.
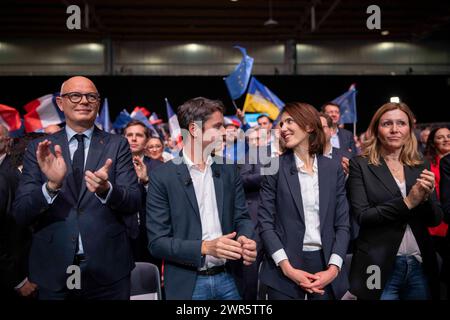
[[79, 192]]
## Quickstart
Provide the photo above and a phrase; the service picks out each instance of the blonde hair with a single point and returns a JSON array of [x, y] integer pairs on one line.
[[372, 146]]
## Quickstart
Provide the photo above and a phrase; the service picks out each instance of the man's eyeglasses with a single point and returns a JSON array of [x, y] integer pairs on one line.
[[76, 97]]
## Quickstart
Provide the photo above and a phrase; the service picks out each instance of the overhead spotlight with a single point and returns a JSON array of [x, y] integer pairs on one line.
[[395, 99], [234, 0], [385, 32]]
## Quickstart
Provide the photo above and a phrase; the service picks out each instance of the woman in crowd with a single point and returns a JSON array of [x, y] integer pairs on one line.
[[438, 146], [392, 198], [305, 232], [155, 150]]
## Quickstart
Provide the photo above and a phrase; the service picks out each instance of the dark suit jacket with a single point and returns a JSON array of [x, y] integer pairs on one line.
[[377, 205], [174, 226], [141, 243], [14, 240], [56, 226], [282, 221], [252, 177], [338, 154], [444, 169], [346, 141]]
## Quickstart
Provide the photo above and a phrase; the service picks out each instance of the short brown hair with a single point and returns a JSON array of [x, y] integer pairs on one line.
[[307, 118], [327, 118], [137, 123], [198, 109], [371, 147], [329, 104]]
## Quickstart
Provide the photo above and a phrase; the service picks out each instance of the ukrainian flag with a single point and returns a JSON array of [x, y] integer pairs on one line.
[[260, 99]]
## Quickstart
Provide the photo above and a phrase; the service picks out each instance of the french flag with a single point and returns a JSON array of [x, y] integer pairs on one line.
[[174, 126], [144, 111], [154, 119], [10, 118], [42, 112]]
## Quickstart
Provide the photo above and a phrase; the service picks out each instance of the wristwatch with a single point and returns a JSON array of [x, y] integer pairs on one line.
[[51, 192]]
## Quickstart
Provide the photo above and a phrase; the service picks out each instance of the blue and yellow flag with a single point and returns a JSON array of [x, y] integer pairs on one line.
[[261, 99]]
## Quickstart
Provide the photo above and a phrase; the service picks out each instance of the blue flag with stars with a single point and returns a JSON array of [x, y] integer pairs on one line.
[[347, 105], [237, 81]]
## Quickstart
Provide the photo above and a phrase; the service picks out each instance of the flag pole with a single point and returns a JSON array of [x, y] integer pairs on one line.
[[234, 103]]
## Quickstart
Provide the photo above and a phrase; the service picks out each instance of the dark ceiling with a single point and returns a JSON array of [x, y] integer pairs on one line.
[[221, 20]]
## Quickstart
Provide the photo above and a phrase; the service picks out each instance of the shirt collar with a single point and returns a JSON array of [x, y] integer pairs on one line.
[[2, 157], [336, 132], [329, 154], [189, 162], [299, 163], [70, 132]]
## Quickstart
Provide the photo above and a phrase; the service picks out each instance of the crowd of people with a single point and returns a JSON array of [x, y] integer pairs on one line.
[[233, 212]]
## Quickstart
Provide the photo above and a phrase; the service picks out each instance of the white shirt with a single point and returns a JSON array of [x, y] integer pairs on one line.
[[73, 145], [312, 241], [207, 205], [329, 154], [335, 140], [408, 246]]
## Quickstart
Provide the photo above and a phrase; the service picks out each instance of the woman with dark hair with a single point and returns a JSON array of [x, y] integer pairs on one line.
[[303, 214], [392, 198], [438, 146]]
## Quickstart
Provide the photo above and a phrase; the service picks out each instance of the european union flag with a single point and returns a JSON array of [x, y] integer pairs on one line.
[[347, 105], [237, 81]]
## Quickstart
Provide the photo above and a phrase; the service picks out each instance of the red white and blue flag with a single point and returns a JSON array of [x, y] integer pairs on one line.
[[42, 112], [174, 126], [10, 118]]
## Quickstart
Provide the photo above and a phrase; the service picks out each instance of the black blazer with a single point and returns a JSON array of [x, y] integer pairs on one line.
[[282, 222], [444, 169], [14, 240], [377, 205]]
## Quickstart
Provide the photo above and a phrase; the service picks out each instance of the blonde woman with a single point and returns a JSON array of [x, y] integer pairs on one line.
[[392, 198]]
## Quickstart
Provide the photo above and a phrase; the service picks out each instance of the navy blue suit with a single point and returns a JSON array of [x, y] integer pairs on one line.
[[140, 242], [56, 226], [282, 221], [174, 225], [338, 154], [251, 180], [346, 141]]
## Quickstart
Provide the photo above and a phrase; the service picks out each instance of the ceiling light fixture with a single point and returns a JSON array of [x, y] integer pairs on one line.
[[270, 22]]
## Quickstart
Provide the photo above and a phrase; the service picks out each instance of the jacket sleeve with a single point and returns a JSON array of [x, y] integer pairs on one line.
[[365, 213], [341, 220], [266, 214], [126, 195], [162, 243], [30, 202], [242, 221]]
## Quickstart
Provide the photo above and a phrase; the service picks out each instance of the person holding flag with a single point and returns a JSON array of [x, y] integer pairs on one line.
[[343, 110]]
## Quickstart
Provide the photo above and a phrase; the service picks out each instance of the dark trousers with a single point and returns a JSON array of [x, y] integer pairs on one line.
[[250, 275], [313, 261], [90, 289]]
